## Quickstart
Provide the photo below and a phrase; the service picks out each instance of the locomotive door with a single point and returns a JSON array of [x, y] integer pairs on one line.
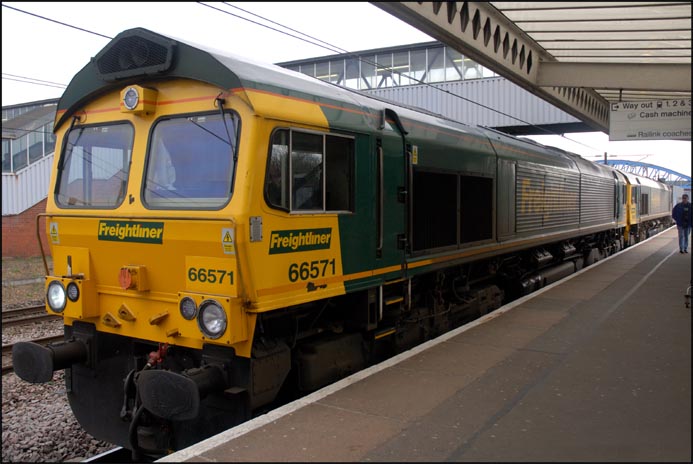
[[391, 193]]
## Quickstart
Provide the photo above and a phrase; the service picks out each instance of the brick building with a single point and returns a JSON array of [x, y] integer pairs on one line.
[[19, 238], [28, 144]]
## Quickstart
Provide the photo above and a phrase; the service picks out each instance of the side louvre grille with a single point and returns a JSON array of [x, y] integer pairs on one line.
[[546, 199], [597, 200]]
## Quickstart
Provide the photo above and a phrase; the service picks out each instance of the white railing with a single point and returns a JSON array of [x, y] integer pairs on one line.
[[22, 190]]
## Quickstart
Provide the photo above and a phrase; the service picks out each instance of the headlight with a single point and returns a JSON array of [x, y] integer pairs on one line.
[[72, 291], [188, 308], [211, 319], [55, 296]]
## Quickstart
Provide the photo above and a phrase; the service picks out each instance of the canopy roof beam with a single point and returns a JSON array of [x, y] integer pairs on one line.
[[673, 77]]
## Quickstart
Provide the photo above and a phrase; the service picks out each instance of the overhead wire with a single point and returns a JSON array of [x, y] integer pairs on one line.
[[57, 22], [266, 26], [31, 80], [328, 45]]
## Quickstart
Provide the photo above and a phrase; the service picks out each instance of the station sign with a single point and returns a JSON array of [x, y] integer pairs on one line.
[[650, 120]]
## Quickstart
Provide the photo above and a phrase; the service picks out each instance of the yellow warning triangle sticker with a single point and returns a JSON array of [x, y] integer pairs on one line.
[[227, 241], [54, 232]]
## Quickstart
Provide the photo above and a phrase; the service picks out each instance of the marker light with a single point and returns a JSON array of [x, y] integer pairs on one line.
[[72, 291], [188, 308], [211, 319], [131, 98], [55, 296]]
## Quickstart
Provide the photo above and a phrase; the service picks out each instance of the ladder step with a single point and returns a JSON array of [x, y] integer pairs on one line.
[[393, 300], [384, 333]]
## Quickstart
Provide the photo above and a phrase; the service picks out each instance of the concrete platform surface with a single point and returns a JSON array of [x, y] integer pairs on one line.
[[594, 368]]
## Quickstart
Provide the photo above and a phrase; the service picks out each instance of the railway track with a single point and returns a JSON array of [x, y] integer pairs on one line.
[[27, 315], [7, 350]]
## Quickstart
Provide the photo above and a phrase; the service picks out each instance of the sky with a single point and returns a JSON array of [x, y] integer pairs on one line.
[[43, 51]]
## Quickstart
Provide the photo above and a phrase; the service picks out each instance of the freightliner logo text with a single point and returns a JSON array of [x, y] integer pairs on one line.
[[131, 231], [291, 241]]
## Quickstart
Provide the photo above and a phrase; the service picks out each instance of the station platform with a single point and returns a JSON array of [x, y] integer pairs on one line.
[[596, 367]]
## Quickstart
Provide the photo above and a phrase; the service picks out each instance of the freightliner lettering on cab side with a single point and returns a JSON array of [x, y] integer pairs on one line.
[[292, 241], [131, 231]]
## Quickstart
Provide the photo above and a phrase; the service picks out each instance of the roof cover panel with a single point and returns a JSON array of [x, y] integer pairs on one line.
[[610, 36], [613, 25], [608, 32], [618, 44], [568, 5], [577, 11]]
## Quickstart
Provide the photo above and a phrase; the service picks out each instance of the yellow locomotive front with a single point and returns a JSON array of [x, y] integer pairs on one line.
[[144, 189], [152, 177], [143, 234]]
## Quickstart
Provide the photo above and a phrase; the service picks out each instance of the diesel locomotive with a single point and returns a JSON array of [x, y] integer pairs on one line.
[[227, 234]]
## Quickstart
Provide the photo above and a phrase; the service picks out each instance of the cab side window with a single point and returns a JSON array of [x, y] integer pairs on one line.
[[307, 163], [310, 172]]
